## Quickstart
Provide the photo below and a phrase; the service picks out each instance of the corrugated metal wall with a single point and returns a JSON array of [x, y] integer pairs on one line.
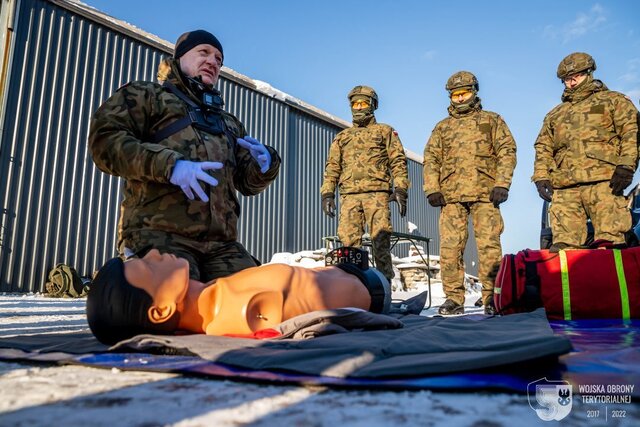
[[57, 207]]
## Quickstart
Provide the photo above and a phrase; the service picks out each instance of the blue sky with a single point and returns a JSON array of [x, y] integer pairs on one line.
[[406, 50]]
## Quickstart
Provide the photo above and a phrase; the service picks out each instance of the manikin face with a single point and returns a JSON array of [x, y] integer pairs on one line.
[[203, 60], [163, 276]]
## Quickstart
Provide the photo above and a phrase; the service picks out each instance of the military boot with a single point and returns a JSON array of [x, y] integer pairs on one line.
[[490, 309], [450, 308]]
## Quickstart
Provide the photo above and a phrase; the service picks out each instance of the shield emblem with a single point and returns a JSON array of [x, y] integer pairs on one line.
[[552, 400]]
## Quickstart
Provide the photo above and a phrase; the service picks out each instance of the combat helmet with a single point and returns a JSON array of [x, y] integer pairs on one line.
[[462, 79], [365, 91], [575, 63]]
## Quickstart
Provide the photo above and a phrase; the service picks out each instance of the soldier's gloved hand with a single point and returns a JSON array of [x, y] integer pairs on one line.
[[258, 151], [400, 195], [329, 205], [436, 199], [620, 180], [187, 173], [498, 195], [545, 189]]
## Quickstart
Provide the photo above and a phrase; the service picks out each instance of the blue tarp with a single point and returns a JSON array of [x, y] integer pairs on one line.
[[605, 352]]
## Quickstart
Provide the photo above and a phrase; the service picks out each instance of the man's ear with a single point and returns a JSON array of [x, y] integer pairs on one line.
[[160, 314]]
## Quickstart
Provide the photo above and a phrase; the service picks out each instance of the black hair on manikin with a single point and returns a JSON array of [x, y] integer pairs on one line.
[[117, 310]]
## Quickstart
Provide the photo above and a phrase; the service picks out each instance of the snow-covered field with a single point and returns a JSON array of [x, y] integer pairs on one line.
[[44, 394]]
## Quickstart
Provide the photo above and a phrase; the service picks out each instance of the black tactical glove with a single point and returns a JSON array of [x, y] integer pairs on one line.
[[545, 189], [436, 199], [329, 205], [620, 180], [498, 195], [400, 195]]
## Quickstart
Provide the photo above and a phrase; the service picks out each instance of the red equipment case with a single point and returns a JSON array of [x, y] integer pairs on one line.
[[571, 284]]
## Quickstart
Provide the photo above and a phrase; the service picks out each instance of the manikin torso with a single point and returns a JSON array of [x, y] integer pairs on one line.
[[262, 297], [244, 302]]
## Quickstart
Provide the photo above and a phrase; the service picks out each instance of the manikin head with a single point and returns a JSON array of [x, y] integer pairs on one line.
[[117, 310]]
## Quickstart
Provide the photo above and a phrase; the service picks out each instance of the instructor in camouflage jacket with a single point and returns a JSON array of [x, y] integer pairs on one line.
[[366, 162], [586, 155], [468, 165], [182, 159]]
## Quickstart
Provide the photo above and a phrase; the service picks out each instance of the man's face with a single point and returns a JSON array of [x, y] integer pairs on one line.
[[203, 60], [461, 95], [360, 104], [574, 80]]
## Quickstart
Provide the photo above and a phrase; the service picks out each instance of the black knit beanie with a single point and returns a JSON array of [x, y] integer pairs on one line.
[[189, 40]]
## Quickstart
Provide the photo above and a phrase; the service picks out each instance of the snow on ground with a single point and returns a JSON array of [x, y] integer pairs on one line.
[[44, 394]]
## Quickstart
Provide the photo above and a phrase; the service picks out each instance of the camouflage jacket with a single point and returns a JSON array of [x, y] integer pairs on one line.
[[365, 159], [467, 155], [583, 139], [119, 140]]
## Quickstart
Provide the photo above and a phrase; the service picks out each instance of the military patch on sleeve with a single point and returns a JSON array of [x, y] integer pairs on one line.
[[395, 132]]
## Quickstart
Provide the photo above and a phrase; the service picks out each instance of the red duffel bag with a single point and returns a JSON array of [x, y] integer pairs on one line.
[[571, 284]]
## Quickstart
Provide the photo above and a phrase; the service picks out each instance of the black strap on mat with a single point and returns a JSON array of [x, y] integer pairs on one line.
[[376, 290]]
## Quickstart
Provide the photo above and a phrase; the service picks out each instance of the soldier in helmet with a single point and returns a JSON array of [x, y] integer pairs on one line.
[[368, 164], [468, 165], [182, 158], [586, 155]]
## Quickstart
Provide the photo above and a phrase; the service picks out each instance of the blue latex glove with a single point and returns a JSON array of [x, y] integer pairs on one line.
[[187, 173], [258, 151]]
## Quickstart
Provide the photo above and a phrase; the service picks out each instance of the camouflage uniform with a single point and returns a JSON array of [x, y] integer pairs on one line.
[[581, 143], [157, 214], [467, 155], [363, 162]]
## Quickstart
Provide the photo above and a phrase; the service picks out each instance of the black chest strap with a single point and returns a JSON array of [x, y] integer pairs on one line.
[[196, 117]]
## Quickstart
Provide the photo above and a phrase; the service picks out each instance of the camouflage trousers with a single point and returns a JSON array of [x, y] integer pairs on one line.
[[571, 207], [371, 209], [454, 233], [207, 260]]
